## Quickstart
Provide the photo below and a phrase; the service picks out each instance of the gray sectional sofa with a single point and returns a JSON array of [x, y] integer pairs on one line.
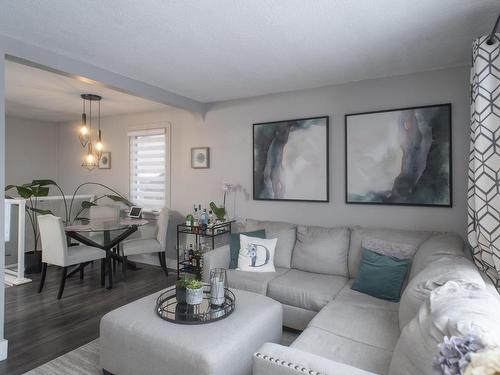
[[344, 331]]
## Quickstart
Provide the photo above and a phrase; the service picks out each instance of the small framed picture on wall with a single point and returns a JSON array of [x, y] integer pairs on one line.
[[200, 157], [105, 160]]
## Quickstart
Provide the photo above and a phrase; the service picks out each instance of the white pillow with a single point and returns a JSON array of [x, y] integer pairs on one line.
[[398, 250], [256, 254], [454, 309]]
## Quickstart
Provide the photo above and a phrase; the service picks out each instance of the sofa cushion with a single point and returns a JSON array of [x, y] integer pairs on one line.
[[371, 326], [311, 291], [321, 250], [234, 245], [431, 277], [398, 250], [340, 349], [256, 254], [381, 276], [434, 248], [358, 234], [363, 301], [454, 309], [284, 232], [256, 282]]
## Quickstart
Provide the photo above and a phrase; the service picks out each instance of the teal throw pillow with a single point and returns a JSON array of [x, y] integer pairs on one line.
[[234, 245], [381, 276]]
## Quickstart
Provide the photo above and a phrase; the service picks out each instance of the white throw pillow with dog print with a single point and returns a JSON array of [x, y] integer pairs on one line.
[[256, 254]]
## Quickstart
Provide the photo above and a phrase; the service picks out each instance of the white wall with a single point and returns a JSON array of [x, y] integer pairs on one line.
[[31, 150], [115, 139], [227, 130]]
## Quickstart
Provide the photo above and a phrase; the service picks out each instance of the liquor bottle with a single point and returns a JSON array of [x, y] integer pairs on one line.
[[186, 253], [210, 217], [196, 217], [190, 254]]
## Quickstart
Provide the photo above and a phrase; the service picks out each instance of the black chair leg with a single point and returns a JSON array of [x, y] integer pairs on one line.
[[63, 282], [42, 280], [114, 260], [109, 261], [163, 262], [103, 272], [124, 266], [82, 267]]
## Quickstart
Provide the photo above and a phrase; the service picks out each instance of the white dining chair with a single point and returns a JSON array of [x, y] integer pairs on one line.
[[55, 251], [156, 244]]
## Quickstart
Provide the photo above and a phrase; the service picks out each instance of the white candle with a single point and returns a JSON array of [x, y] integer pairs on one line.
[[217, 291]]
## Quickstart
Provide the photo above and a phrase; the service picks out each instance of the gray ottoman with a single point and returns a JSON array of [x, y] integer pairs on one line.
[[134, 340]]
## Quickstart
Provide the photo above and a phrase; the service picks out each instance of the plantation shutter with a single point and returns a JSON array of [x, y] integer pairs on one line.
[[148, 168]]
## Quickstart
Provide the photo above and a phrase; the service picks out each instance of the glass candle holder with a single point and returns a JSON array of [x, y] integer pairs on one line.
[[218, 281]]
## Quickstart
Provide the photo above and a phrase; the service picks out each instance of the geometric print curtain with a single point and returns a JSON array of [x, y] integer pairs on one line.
[[483, 198]]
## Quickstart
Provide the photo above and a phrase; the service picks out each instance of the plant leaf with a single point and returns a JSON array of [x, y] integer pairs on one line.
[[8, 187], [40, 211], [24, 192], [87, 204], [44, 182], [117, 198], [40, 191]]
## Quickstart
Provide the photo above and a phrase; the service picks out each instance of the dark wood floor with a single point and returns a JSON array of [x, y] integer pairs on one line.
[[40, 328]]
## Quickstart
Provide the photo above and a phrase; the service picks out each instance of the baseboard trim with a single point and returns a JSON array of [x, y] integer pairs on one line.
[[4, 344]]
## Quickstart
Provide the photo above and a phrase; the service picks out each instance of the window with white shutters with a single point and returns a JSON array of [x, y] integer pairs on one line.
[[148, 168]]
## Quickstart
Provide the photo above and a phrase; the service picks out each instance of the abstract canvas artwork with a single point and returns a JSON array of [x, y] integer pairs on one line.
[[290, 160], [400, 157]]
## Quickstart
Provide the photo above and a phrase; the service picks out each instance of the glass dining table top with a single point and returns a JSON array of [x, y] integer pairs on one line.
[[102, 225]]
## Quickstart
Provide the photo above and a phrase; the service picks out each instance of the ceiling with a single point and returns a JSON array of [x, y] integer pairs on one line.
[[41, 95], [225, 49]]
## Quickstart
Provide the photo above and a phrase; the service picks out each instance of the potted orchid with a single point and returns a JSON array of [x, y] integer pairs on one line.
[[220, 212]]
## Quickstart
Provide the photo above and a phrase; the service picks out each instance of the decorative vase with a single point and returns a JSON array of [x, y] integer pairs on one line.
[[33, 262], [194, 296], [217, 286], [180, 294]]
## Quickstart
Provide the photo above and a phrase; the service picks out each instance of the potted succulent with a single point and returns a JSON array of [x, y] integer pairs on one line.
[[194, 292], [180, 288]]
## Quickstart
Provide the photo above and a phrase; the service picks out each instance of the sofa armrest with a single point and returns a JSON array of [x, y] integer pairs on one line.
[[217, 258], [274, 359]]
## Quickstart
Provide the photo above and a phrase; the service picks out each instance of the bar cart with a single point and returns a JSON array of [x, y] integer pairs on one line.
[[211, 232]]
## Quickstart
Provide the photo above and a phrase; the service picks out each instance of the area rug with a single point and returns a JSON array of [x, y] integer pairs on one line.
[[85, 359]]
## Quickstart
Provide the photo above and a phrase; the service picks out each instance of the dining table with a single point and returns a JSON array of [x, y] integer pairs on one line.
[[106, 235]]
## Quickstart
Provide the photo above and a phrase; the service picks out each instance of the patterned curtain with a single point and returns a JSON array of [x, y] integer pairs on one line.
[[484, 159]]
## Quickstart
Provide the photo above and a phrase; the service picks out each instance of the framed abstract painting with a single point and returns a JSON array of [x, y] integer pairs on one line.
[[290, 160], [399, 157]]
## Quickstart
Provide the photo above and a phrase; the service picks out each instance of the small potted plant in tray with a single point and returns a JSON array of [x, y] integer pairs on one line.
[[194, 292], [180, 288]]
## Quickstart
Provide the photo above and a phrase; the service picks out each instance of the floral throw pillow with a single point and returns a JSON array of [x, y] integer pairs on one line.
[[256, 254], [394, 249]]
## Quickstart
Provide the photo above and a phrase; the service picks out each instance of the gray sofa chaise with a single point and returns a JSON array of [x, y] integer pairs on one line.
[[344, 331]]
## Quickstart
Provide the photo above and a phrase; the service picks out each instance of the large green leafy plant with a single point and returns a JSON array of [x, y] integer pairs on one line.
[[40, 188]]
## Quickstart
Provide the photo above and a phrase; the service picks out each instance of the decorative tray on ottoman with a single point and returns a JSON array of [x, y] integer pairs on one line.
[[169, 309]]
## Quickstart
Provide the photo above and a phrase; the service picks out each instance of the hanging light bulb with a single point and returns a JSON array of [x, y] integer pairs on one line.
[[87, 137], [98, 145], [90, 160], [84, 138]]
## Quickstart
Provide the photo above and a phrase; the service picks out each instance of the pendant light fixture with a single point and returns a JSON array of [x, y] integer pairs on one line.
[[87, 139]]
